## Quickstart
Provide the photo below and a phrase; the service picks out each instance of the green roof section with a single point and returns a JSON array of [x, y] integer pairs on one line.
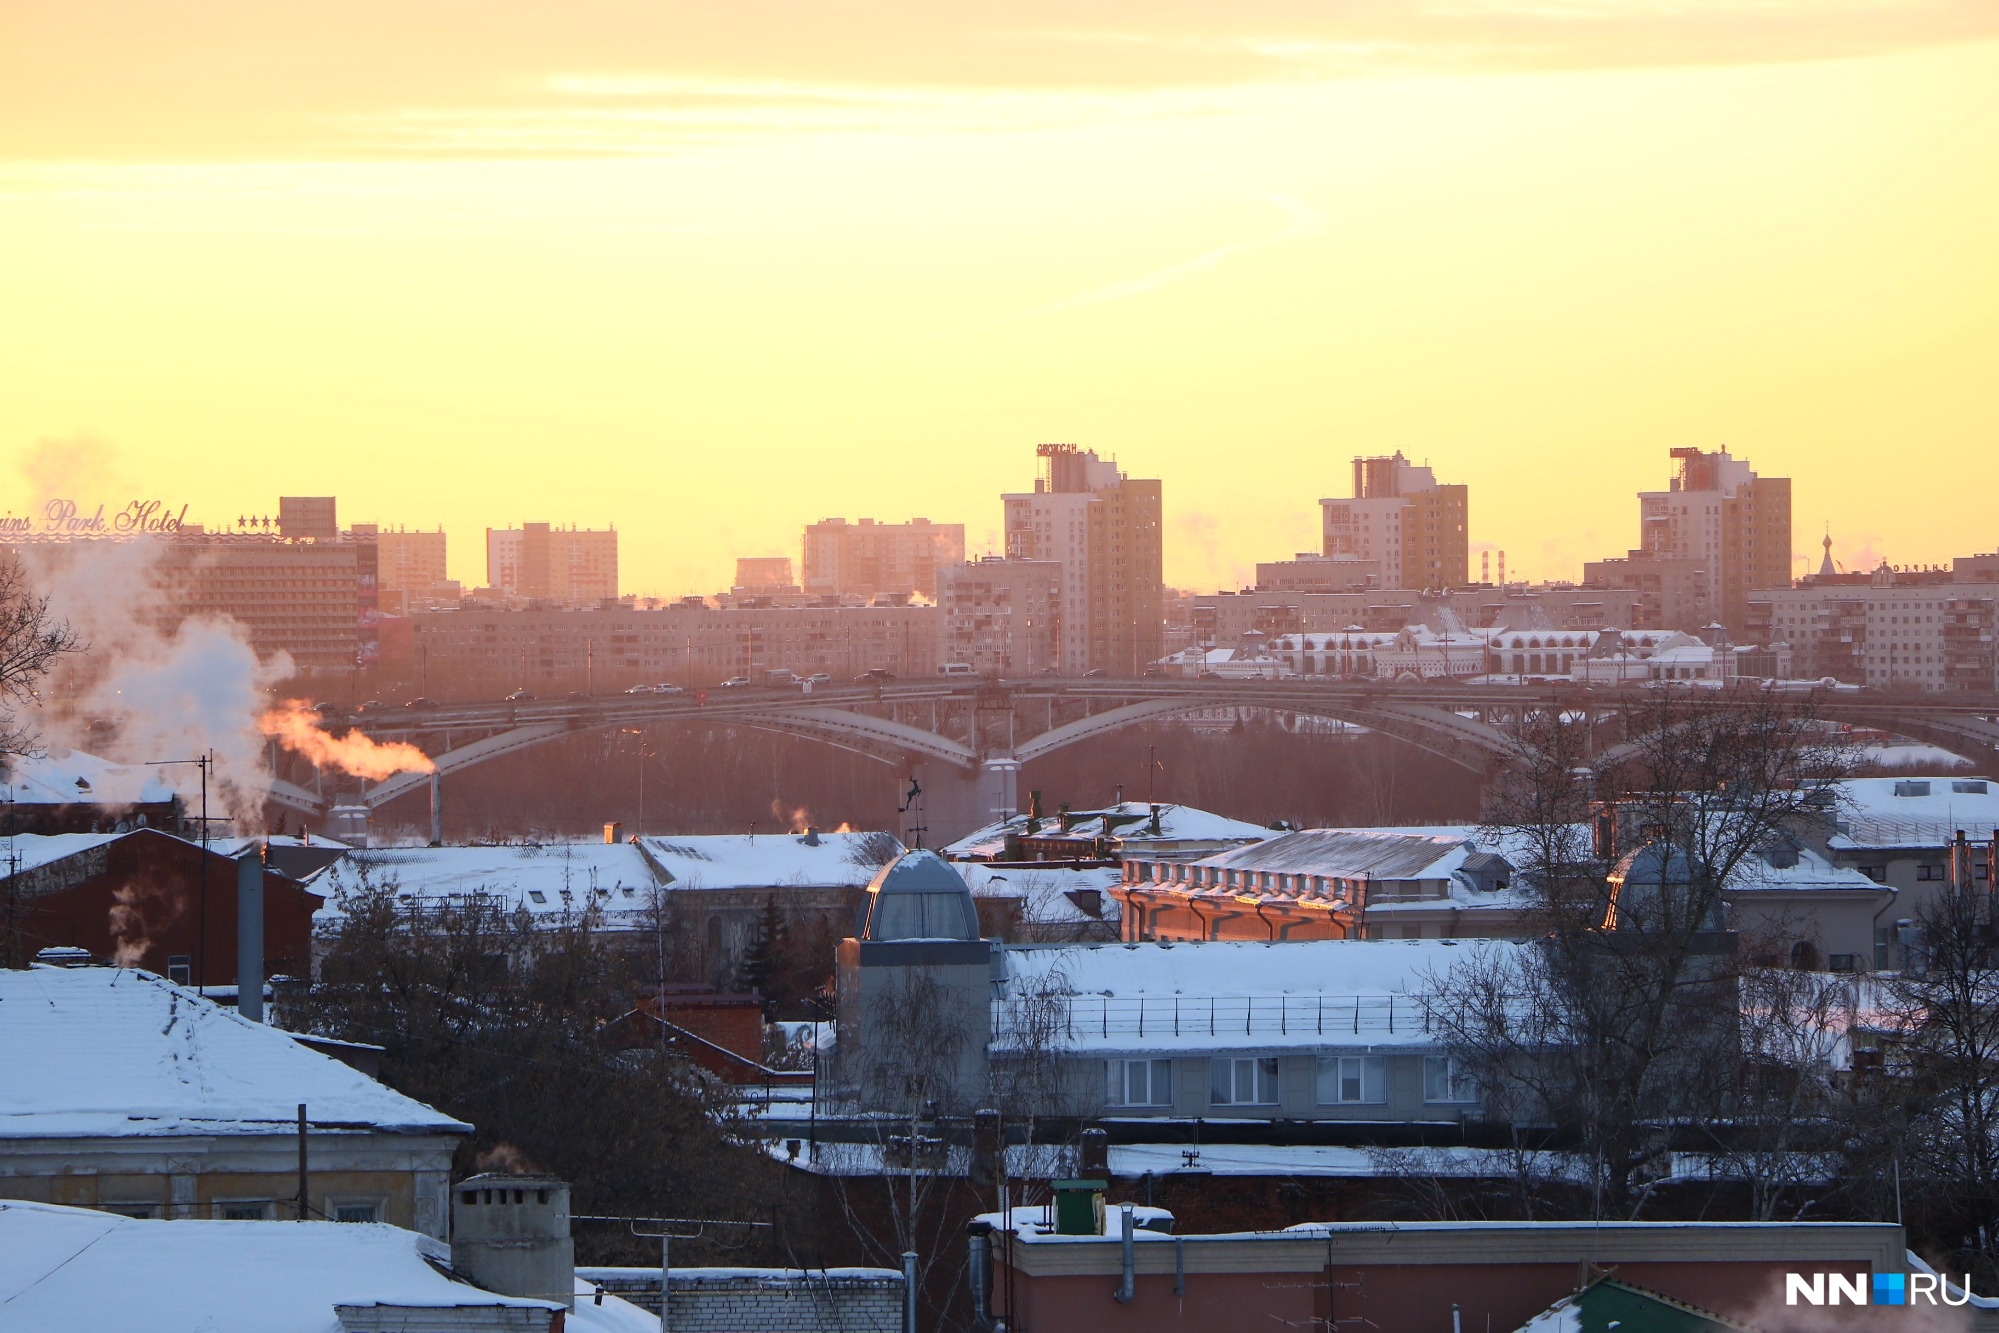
[[1608, 1304]]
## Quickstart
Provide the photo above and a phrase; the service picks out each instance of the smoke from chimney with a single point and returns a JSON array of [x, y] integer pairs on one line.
[[296, 727]]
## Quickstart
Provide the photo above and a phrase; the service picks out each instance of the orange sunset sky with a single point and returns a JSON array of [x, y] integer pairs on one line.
[[710, 271]]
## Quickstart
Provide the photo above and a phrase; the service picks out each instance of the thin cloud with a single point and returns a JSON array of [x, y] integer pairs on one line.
[[113, 79]]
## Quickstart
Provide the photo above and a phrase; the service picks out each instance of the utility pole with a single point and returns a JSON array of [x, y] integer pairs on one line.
[[204, 763]]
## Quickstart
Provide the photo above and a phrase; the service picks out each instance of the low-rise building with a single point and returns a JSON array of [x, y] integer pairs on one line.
[[714, 888], [150, 899], [127, 1093], [1327, 884]]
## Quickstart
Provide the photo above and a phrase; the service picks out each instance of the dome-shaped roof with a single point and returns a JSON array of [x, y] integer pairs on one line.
[[918, 896]]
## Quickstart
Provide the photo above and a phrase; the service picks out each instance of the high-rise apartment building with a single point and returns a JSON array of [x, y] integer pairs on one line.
[[1104, 528], [1002, 616], [409, 562], [1400, 516], [764, 574], [1717, 531], [565, 566], [869, 558]]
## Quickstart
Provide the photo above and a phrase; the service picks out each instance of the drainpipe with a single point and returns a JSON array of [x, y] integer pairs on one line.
[[979, 1242], [909, 1290], [1128, 1285], [250, 935]]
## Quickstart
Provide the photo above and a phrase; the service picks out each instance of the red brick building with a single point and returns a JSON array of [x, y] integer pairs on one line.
[[144, 899]]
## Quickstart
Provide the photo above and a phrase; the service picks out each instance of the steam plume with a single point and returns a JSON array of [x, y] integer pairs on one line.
[[293, 725]]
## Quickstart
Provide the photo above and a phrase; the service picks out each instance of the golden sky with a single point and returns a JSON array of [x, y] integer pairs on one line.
[[710, 271]]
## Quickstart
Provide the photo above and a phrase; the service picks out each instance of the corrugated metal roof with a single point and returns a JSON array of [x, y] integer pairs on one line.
[[1349, 854]]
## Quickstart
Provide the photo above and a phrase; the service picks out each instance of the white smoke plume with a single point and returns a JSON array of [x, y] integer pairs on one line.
[[142, 692]]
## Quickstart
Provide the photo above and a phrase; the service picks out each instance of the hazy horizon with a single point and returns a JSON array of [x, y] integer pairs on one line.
[[708, 275]]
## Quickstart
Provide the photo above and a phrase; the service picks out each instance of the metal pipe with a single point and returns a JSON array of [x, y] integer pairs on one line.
[[909, 1291], [1128, 1264], [979, 1262], [250, 935], [1179, 1266], [436, 808], [302, 1197]]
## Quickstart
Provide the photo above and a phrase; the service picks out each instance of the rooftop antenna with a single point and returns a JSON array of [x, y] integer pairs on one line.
[[912, 800]]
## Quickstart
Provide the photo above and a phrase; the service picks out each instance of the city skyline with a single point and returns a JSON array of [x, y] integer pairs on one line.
[[811, 270]]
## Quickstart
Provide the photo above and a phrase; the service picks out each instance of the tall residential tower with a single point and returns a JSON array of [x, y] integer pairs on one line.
[[1402, 517], [1104, 529]]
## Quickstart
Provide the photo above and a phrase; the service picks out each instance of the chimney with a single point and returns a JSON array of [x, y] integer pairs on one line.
[[510, 1234], [613, 834], [1156, 830], [250, 934], [1062, 816], [1603, 831], [811, 838], [1034, 812], [1093, 1155], [436, 808]]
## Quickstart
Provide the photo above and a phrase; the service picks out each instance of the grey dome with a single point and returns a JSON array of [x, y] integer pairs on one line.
[[918, 896]]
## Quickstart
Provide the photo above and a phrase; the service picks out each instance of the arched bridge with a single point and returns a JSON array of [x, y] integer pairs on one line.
[[985, 729]]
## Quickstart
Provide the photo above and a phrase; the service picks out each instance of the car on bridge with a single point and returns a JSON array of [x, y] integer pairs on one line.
[[874, 674], [520, 697], [819, 678], [736, 683], [421, 703]]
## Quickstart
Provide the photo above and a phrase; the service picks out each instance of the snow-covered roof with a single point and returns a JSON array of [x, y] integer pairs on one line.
[[531, 876], [1164, 997], [108, 1052], [1808, 871], [52, 779], [31, 851], [74, 1268], [1127, 823], [1366, 854], [770, 860], [1046, 891], [1915, 811]]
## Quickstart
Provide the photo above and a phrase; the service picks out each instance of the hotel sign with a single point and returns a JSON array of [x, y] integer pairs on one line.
[[66, 518]]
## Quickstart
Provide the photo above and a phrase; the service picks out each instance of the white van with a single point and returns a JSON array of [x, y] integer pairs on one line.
[[955, 669]]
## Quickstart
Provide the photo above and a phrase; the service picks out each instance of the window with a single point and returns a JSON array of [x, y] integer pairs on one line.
[[1444, 1080], [244, 1210], [368, 1210], [1140, 1083], [1352, 1078], [1879, 874], [148, 1210], [180, 969], [1251, 1082], [1929, 872], [537, 896]]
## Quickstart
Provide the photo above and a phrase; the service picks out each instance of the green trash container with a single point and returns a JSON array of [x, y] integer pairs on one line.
[[1079, 1207]]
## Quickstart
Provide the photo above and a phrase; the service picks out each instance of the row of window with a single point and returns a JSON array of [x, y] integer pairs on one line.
[[1341, 1080]]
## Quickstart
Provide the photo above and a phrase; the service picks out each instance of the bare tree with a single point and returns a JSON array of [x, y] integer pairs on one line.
[[1931, 1129], [32, 640], [1607, 1029]]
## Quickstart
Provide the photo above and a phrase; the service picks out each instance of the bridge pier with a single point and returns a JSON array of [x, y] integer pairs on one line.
[[957, 801]]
